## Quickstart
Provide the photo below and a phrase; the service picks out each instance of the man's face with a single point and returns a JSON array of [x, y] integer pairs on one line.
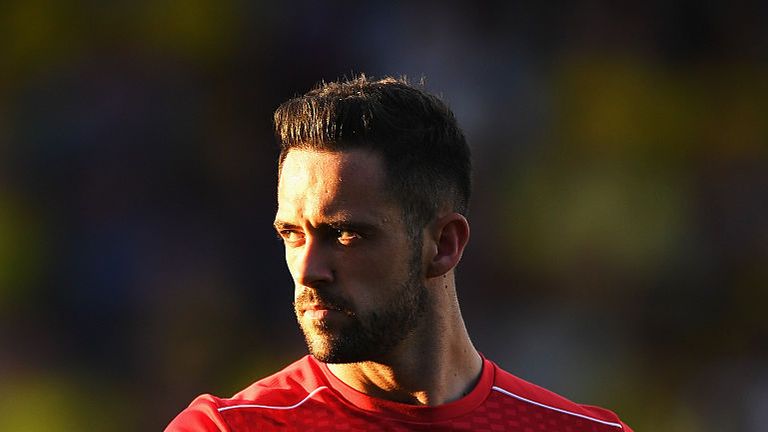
[[357, 274]]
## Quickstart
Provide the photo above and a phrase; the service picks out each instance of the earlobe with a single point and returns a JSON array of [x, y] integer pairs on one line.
[[450, 234]]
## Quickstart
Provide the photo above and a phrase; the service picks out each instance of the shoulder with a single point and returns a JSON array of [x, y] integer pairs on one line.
[[286, 388], [201, 415], [298, 379], [508, 386]]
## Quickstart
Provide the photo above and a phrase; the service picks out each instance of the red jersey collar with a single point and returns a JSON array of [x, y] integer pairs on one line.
[[407, 412]]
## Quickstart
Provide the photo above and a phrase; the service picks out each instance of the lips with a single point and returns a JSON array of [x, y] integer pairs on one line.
[[317, 314], [322, 311], [318, 311], [309, 305]]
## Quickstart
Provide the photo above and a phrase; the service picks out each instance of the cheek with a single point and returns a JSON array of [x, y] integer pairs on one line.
[[290, 262], [391, 264]]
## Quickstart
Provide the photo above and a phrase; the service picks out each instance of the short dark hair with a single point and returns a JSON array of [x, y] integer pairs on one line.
[[426, 156]]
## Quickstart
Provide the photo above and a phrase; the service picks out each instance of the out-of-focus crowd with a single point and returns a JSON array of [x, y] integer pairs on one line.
[[619, 251]]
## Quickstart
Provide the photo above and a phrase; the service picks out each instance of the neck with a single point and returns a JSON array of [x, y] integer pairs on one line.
[[436, 364]]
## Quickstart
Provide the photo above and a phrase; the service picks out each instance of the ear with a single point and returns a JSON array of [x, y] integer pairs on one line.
[[450, 234]]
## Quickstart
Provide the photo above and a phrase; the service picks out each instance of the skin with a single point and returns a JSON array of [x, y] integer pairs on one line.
[[354, 266]]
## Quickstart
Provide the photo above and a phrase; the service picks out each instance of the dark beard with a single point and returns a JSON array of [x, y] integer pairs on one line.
[[369, 337]]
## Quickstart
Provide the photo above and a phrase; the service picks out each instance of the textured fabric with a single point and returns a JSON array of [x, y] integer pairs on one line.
[[306, 396]]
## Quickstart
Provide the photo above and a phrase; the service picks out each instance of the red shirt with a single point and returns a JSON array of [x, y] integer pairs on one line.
[[306, 396]]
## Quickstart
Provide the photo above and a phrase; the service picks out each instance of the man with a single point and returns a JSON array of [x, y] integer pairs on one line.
[[374, 182]]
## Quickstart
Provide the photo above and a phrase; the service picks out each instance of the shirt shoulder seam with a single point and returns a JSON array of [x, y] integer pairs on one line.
[[521, 398], [275, 407]]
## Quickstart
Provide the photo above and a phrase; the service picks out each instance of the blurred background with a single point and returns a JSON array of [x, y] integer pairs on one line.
[[620, 238]]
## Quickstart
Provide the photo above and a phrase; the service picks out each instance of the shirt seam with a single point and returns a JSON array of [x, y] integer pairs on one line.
[[560, 410]]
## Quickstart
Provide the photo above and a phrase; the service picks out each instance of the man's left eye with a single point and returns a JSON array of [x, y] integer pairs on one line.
[[346, 236]]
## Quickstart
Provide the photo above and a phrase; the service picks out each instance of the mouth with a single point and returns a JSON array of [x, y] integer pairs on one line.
[[317, 314], [319, 311]]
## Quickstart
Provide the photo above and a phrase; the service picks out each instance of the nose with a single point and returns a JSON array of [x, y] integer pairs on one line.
[[311, 264]]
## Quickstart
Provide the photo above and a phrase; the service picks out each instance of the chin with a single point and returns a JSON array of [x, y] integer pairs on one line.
[[339, 345], [330, 351], [322, 349]]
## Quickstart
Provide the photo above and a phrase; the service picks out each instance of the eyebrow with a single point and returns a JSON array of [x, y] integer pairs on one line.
[[333, 223], [280, 225]]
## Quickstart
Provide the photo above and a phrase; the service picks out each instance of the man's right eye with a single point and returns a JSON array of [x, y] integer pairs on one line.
[[291, 237]]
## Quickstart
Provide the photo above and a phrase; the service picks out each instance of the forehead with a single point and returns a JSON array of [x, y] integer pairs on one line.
[[331, 182], [344, 162]]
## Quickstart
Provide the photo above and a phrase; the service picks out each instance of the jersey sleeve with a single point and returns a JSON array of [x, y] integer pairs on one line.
[[599, 412], [201, 415]]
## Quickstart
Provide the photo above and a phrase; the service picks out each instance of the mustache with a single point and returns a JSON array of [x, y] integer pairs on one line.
[[328, 301]]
